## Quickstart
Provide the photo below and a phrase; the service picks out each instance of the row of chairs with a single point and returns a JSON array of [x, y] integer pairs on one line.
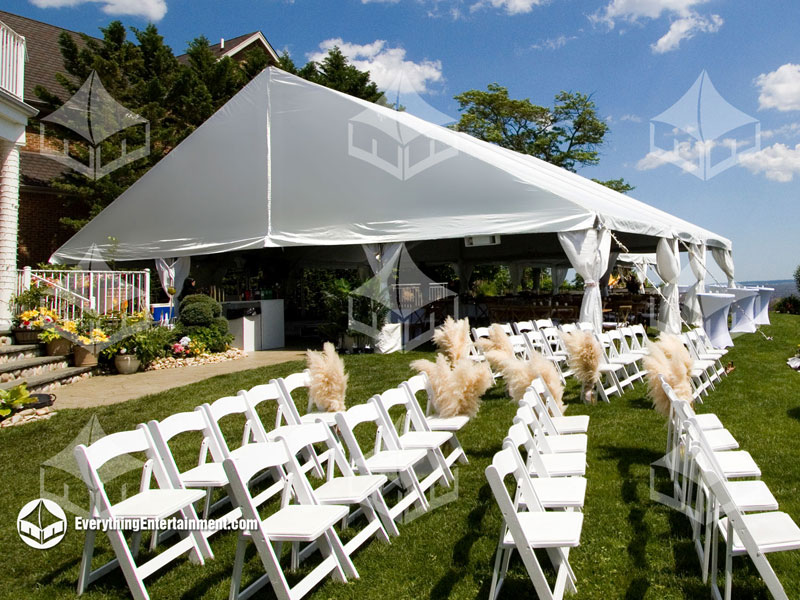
[[272, 464], [544, 459], [718, 487]]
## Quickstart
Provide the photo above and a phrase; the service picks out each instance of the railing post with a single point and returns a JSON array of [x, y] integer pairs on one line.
[[26, 278], [21, 68], [147, 291], [92, 301]]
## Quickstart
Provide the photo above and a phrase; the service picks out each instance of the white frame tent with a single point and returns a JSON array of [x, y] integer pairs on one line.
[[288, 163]]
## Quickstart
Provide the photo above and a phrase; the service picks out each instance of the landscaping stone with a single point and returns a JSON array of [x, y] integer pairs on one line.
[[28, 416], [203, 359]]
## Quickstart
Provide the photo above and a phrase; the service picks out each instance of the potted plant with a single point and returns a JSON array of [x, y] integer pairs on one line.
[[28, 325], [56, 343], [124, 354], [86, 349]]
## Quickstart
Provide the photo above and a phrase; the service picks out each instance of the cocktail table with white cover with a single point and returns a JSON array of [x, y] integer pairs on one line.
[[762, 305], [715, 317], [743, 310]]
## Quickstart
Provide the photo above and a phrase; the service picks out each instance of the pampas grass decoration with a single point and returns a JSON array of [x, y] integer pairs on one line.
[[453, 339], [584, 360], [497, 347], [457, 390], [669, 358], [518, 375], [548, 371], [328, 380]]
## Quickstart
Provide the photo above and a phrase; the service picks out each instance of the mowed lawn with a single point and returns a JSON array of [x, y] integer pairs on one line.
[[631, 547]]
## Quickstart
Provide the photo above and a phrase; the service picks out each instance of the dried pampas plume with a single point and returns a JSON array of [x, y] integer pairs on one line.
[[328, 380], [457, 390], [497, 347], [584, 360], [453, 339], [518, 375], [669, 358]]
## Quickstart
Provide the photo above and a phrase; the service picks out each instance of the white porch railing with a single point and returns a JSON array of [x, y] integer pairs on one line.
[[71, 293], [12, 61]]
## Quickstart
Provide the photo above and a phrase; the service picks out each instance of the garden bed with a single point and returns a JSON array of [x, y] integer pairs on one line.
[[171, 362]]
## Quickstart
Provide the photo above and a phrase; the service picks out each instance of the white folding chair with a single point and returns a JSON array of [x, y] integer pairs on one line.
[[417, 421], [756, 535], [539, 342], [521, 327], [629, 373], [568, 327], [301, 523], [551, 417], [546, 465], [542, 323], [393, 461], [430, 441], [549, 444], [287, 385], [148, 503], [532, 529]]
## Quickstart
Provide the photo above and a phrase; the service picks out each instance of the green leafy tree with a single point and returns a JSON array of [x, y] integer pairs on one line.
[[568, 134], [618, 185], [797, 278]]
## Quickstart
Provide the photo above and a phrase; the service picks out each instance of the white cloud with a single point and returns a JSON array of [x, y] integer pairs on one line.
[[154, 10], [780, 89], [379, 1], [788, 130], [777, 162], [685, 20], [512, 7], [554, 43], [387, 67], [632, 118], [687, 155], [685, 28]]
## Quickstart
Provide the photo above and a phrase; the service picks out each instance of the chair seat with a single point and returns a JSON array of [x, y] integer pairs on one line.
[[156, 504], [708, 421], [549, 529], [737, 463], [206, 475], [572, 424], [302, 523], [771, 531], [329, 418], [425, 439], [560, 492], [349, 490], [564, 465], [721, 439], [447, 423], [753, 495], [391, 461], [560, 444], [704, 364]]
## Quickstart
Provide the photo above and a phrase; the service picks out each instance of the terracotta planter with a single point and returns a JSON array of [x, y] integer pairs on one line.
[[126, 363], [27, 336], [84, 357], [59, 347]]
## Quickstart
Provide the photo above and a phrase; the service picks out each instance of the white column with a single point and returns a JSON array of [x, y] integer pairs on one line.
[[9, 221]]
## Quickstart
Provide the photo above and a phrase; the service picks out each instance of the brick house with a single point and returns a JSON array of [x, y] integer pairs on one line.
[[41, 206]]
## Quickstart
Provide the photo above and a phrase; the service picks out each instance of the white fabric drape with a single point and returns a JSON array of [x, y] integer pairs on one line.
[[668, 267], [173, 274], [691, 303], [588, 251], [724, 258], [558, 274]]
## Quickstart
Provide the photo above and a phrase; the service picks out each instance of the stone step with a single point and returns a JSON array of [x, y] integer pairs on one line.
[[15, 352], [29, 367], [47, 382]]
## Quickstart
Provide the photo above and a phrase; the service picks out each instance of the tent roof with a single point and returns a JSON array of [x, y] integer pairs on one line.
[[290, 163]]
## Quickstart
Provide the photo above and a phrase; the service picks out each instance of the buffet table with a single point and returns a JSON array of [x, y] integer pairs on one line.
[[715, 309]]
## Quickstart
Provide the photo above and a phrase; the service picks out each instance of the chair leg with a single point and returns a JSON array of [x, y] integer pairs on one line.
[[127, 564], [86, 561], [238, 565], [379, 504]]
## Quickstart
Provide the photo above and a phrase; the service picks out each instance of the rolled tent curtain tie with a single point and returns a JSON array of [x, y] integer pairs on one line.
[[692, 312], [589, 251], [668, 267], [172, 275], [724, 258]]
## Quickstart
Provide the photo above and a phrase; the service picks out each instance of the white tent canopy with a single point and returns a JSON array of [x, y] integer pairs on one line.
[[287, 162]]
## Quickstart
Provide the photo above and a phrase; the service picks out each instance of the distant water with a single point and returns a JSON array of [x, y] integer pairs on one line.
[[783, 287]]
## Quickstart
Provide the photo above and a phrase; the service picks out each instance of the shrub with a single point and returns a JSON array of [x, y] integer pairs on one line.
[[789, 305], [797, 278], [192, 299], [197, 314], [153, 343]]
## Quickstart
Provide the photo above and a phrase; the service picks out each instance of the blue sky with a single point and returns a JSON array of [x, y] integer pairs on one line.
[[636, 57]]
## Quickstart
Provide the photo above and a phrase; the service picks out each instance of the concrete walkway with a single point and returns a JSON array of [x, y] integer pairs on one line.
[[112, 389]]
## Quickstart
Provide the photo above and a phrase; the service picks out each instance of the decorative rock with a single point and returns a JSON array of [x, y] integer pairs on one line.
[[204, 359]]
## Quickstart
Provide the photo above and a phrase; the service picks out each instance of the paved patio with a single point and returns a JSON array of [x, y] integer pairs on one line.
[[112, 389]]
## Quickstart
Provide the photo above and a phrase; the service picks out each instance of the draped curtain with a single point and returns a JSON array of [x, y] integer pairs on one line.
[[172, 273], [724, 258], [588, 251], [668, 267], [691, 303]]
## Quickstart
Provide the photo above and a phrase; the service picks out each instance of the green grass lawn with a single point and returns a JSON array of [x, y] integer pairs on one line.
[[631, 547]]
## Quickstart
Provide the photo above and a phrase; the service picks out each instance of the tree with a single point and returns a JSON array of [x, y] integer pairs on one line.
[[797, 278], [568, 135], [618, 185], [146, 78]]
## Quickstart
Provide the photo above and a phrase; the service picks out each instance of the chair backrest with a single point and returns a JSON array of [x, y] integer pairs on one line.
[[509, 462], [641, 334], [525, 414], [299, 437], [479, 332], [520, 436], [519, 344], [585, 326], [270, 392], [227, 406], [568, 327], [542, 323], [418, 383], [295, 381], [507, 329], [629, 338], [249, 462], [523, 326], [548, 402], [347, 422], [384, 403]]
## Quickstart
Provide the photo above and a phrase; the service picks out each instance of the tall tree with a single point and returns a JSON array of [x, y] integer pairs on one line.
[[568, 134]]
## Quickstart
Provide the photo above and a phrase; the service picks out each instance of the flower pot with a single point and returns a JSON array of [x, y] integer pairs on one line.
[[27, 336], [84, 357], [126, 363], [59, 347]]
